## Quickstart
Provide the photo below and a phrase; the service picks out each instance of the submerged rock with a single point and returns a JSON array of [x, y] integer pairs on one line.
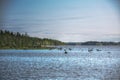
[[70, 49], [65, 51], [89, 50], [98, 50]]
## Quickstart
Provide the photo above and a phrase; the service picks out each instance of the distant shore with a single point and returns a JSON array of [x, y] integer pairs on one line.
[[12, 40]]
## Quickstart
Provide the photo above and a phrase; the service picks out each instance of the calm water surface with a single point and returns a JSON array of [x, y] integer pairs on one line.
[[101, 63]]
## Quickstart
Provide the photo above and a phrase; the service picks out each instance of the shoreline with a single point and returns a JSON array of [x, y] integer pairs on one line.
[[50, 48]]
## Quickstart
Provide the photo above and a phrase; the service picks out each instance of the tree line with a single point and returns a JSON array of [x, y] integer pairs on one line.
[[93, 43], [16, 40], [100, 43]]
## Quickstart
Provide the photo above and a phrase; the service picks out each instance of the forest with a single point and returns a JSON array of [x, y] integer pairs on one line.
[[98, 43], [16, 40]]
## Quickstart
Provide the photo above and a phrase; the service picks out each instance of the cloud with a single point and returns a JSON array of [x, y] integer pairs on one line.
[[72, 18], [62, 19]]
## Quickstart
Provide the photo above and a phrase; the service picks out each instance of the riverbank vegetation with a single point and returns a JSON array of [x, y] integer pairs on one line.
[[16, 40], [93, 43]]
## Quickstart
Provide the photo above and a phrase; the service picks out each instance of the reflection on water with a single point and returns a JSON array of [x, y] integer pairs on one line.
[[78, 64]]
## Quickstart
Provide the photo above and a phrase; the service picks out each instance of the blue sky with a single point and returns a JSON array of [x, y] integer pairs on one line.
[[65, 20]]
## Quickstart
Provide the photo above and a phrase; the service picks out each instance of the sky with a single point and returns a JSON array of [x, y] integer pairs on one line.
[[64, 20]]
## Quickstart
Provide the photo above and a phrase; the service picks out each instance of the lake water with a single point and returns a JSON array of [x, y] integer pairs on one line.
[[100, 63]]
